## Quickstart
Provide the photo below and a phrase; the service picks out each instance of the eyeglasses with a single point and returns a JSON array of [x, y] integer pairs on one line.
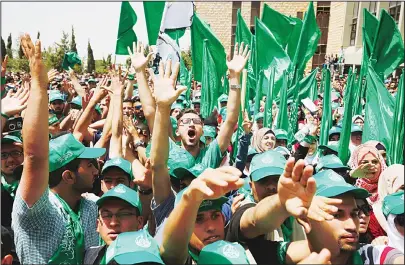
[[138, 107], [107, 216], [13, 154], [366, 209], [188, 120]]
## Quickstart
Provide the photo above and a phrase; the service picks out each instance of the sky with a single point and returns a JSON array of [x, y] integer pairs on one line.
[[94, 21]]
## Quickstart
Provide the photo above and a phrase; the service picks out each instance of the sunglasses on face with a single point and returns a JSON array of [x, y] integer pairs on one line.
[[366, 209], [188, 120], [138, 107]]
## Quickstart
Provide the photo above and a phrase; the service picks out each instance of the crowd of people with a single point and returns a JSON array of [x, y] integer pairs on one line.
[[122, 169]]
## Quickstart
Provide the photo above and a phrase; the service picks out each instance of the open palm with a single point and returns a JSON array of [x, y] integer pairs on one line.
[[138, 59], [240, 57], [14, 104]]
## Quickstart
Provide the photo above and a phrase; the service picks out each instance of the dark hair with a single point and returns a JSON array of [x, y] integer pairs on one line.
[[128, 100], [400, 219], [7, 244], [188, 110], [55, 177]]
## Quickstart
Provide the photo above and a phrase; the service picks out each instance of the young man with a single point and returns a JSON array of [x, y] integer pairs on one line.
[[56, 103], [281, 137], [197, 222], [119, 211], [52, 224], [128, 108]]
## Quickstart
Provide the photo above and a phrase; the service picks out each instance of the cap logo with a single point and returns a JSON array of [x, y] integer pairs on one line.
[[230, 251], [334, 178], [267, 160], [206, 203], [116, 162], [119, 189], [142, 242], [65, 157]]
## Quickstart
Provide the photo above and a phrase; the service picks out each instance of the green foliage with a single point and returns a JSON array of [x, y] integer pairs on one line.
[[3, 49], [20, 52], [91, 64], [108, 59], [38, 35], [18, 65], [9, 47], [187, 59], [101, 66], [73, 42]]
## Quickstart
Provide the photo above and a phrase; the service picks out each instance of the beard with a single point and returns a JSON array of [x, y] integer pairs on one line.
[[347, 247], [82, 186]]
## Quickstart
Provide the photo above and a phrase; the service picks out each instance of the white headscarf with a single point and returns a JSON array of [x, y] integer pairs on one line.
[[395, 239]]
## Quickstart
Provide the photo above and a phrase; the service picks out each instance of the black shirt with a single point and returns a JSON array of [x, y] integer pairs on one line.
[[94, 255], [6, 208]]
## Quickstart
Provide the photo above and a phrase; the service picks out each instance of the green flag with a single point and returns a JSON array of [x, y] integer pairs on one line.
[[379, 110], [243, 33], [396, 150], [268, 106], [271, 54], [70, 59], [307, 42], [188, 91], [294, 37], [343, 150], [280, 25], [258, 95], [388, 47], [126, 34], [282, 120], [308, 88], [199, 32], [326, 122], [210, 83], [225, 89], [252, 71], [153, 17], [183, 72]]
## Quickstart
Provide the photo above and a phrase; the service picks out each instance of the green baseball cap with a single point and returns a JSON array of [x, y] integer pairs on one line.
[[331, 184], [52, 120], [177, 106], [133, 248], [334, 130], [269, 163], [193, 172], [174, 124], [280, 134], [179, 158], [202, 139], [10, 139], [393, 203], [259, 115], [120, 163], [332, 145], [196, 101], [55, 95], [98, 109], [77, 101], [124, 193], [92, 80], [223, 252], [65, 148], [206, 205], [223, 112], [251, 153], [282, 150], [330, 162], [356, 128], [210, 131], [223, 98]]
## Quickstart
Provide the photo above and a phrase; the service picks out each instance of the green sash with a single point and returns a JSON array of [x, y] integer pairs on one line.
[[10, 188], [71, 249], [287, 228], [356, 259]]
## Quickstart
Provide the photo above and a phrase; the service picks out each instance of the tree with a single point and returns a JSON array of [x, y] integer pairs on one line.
[[186, 56], [91, 64], [20, 52], [128, 62], [9, 47], [38, 35], [61, 49], [3, 49], [109, 59], [73, 42]]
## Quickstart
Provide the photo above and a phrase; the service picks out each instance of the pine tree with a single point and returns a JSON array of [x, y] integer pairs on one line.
[[61, 49], [109, 60], [9, 47], [73, 42], [38, 35], [3, 49], [91, 64], [20, 52]]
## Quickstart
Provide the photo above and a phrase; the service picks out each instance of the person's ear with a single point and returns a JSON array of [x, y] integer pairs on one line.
[[140, 222], [177, 133], [69, 177], [98, 225], [7, 260]]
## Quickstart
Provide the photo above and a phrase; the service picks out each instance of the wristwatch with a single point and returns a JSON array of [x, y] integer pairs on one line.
[[145, 192], [236, 87], [138, 143]]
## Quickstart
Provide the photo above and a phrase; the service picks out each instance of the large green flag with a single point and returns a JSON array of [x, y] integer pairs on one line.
[[199, 32], [307, 42], [271, 54], [252, 71], [388, 47], [326, 122], [343, 150], [258, 94], [294, 37], [280, 25], [183, 72], [282, 119], [70, 59], [396, 150], [153, 16], [243, 33], [268, 106], [126, 34], [210, 83], [379, 110]]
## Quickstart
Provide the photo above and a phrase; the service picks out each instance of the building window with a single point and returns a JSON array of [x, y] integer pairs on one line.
[[235, 7], [373, 8], [255, 12], [354, 24], [395, 9], [300, 15]]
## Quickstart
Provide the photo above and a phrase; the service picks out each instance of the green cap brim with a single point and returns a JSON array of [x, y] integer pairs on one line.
[[265, 172], [334, 191], [281, 137], [137, 257], [399, 209], [181, 173], [100, 201], [9, 139], [326, 147], [216, 204], [90, 153]]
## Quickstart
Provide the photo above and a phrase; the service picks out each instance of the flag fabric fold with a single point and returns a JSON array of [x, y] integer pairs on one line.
[[126, 34], [396, 150], [326, 122], [70, 59]]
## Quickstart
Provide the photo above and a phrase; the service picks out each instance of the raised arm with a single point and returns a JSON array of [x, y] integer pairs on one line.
[[129, 90], [13, 104], [165, 94], [76, 85], [235, 66], [34, 179], [140, 62], [106, 136]]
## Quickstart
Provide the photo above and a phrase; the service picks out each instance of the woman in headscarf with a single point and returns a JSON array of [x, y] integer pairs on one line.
[[359, 120], [264, 140], [391, 181], [367, 164], [380, 147]]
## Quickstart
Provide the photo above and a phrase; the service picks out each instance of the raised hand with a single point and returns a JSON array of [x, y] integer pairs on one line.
[[246, 124], [214, 183], [117, 81], [130, 127], [14, 104], [138, 59], [163, 89], [52, 74], [296, 188], [33, 53], [239, 60], [143, 176], [322, 208]]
